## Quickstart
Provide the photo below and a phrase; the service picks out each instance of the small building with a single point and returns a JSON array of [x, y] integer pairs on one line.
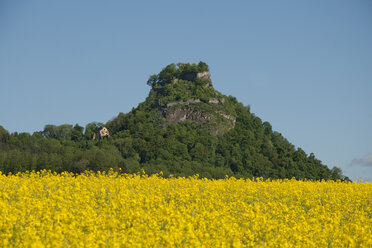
[[101, 133]]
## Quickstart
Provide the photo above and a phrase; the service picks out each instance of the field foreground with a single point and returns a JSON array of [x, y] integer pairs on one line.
[[110, 210]]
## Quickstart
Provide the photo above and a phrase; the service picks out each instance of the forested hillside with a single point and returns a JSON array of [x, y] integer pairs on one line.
[[184, 127]]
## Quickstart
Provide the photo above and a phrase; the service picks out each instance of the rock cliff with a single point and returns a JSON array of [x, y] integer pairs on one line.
[[203, 104]]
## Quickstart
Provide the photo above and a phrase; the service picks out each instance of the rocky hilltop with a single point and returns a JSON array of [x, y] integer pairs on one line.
[[187, 125], [181, 93], [184, 127]]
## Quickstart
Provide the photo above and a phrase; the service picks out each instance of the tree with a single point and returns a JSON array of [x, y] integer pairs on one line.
[[90, 129], [50, 131], [202, 67], [77, 133], [337, 173], [153, 79], [4, 134], [57, 132]]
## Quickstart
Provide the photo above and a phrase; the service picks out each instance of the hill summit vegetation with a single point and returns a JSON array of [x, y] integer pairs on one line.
[[184, 127]]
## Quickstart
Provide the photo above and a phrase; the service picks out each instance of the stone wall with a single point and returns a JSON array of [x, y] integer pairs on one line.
[[199, 75], [191, 100], [203, 75], [195, 100]]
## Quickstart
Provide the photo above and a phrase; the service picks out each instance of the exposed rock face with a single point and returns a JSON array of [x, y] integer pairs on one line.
[[191, 100], [211, 111], [197, 75], [216, 100], [203, 75], [229, 117], [178, 115], [176, 112]]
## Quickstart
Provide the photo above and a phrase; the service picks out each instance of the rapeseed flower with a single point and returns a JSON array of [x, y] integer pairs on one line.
[[45, 209]]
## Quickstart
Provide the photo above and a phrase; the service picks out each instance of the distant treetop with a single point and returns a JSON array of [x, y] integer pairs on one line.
[[179, 70]]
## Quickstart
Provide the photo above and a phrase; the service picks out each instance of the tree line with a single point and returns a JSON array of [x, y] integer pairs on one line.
[[251, 149]]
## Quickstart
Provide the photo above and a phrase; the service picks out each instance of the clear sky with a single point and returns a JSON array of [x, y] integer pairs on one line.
[[304, 66]]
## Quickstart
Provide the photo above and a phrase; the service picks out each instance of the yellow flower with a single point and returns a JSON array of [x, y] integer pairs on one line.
[[46, 209]]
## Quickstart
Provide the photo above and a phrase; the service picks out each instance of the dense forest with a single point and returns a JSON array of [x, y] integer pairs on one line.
[[184, 127]]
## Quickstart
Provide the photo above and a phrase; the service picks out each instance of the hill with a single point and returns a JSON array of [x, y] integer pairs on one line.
[[184, 127]]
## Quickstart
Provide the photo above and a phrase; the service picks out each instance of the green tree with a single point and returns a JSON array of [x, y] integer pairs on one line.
[[337, 173], [4, 135], [77, 133], [90, 129]]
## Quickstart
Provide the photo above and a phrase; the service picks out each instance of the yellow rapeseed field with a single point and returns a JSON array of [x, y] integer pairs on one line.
[[43, 209]]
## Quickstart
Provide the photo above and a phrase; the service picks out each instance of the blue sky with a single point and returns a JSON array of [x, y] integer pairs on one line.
[[304, 66]]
